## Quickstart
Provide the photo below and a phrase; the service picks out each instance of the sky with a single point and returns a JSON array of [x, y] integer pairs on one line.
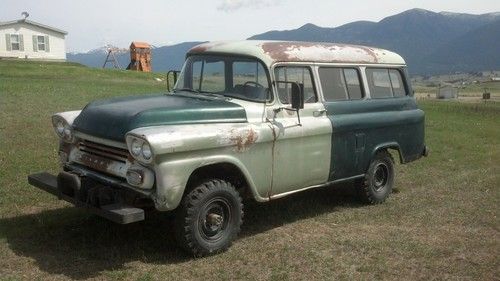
[[94, 23]]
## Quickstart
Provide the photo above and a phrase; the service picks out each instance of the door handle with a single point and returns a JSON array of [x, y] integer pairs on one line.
[[319, 112]]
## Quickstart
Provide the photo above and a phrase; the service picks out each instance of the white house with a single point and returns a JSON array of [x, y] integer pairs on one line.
[[31, 40]]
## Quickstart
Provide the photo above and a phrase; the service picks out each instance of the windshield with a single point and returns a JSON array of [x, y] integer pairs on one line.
[[241, 78]]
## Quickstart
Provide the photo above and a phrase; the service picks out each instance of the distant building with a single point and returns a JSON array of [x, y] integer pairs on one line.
[[447, 92], [31, 40]]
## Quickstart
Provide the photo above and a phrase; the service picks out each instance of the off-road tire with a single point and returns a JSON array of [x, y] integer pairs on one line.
[[378, 182], [194, 227]]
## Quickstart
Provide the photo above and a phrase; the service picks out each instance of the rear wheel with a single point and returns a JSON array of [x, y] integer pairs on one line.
[[377, 185], [209, 218]]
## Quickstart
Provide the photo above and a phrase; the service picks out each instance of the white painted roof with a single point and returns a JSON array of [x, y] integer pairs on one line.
[[290, 51], [33, 23]]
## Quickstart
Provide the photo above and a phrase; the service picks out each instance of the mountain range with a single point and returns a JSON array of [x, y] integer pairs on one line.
[[431, 43]]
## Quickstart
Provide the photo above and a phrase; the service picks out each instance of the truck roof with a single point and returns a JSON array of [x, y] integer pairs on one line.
[[294, 51]]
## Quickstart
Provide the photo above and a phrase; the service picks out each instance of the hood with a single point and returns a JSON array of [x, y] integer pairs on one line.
[[113, 118]]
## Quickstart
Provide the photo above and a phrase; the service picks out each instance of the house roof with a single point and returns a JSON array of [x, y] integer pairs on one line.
[[290, 51], [33, 23]]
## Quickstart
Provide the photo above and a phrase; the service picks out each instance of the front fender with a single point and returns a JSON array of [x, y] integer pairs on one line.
[[181, 149], [172, 178]]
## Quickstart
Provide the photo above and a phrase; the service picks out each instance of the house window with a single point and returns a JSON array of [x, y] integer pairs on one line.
[[14, 42], [41, 42]]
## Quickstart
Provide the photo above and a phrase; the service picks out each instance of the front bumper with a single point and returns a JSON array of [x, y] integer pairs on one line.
[[117, 212]]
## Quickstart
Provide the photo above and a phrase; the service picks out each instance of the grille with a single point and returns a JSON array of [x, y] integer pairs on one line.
[[104, 151]]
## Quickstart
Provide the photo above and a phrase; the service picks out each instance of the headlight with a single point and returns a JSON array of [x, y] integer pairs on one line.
[[146, 151], [136, 147], [62, 128], [140, 149]]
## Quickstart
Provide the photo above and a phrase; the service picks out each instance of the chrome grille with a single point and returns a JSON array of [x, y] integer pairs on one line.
[[104, 151]]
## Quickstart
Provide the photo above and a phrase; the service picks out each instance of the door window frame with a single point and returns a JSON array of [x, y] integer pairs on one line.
[[314, 81]]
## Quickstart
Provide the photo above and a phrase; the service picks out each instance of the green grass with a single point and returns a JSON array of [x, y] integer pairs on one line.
[[442, 222]]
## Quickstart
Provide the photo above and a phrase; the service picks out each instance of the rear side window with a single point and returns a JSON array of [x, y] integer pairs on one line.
[[385, 83], [398, 87], [299, 74], [340, 83]]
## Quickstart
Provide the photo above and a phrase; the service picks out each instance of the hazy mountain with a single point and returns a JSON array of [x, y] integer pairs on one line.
[[171, 57], [311, 32], [420, 36], [475, 50], [430, 42], [163, 58]]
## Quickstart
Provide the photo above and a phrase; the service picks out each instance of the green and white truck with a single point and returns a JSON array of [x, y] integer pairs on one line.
[[246, 120]]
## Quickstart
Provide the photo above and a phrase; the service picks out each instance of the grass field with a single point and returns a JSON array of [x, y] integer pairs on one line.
[[442, 222]]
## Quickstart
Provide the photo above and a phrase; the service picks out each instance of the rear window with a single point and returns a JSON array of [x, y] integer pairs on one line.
[[340, 83], [385, 83]]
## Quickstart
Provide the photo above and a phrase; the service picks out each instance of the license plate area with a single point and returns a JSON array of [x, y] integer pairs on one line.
[[99, 163]]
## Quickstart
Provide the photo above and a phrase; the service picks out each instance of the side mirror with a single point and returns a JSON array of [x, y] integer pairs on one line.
[[174, 74], [297, 96]]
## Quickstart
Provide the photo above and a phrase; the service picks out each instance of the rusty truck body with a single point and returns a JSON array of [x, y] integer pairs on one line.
[[246, 119]]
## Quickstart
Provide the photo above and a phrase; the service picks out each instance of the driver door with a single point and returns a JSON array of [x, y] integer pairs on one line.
[[301, 153]]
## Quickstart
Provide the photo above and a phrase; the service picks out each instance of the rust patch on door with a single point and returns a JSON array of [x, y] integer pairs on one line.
[[243, 140]]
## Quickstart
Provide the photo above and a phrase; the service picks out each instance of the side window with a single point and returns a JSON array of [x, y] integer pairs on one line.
[[385, 83], [299, 74], [340, 83], [353, 85], [398, 87], [333, 83], [379, 83]]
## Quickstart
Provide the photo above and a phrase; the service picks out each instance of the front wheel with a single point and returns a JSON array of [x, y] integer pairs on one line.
[[209, 218], [379, 179]]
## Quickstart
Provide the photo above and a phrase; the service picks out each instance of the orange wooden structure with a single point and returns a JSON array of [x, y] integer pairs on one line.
[[140, 57]]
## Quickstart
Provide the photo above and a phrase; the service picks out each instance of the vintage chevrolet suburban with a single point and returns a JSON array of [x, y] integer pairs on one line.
[[248, 119]]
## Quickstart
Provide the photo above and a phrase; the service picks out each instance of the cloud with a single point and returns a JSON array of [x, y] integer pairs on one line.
[[233, 5]]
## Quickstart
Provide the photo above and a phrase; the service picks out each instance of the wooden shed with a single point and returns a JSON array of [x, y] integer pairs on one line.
[[140, 56]]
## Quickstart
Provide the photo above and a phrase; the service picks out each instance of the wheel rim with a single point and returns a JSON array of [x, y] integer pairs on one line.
[[380, 176], [214, 219]]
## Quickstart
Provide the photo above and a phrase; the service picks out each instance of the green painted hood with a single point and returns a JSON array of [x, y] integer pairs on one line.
[[113, 118]]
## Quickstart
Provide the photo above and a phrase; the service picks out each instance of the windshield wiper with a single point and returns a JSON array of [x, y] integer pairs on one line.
[[206, 93]]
